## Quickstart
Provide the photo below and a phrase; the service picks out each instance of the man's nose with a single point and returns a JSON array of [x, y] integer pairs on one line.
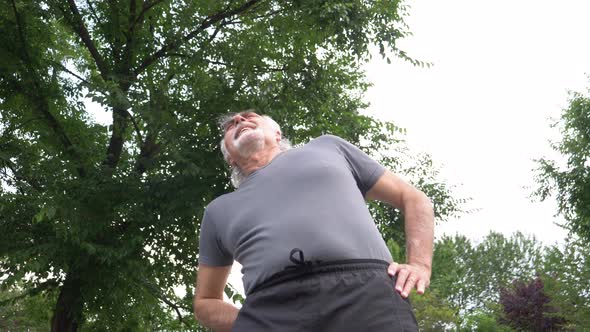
[[238, 118]]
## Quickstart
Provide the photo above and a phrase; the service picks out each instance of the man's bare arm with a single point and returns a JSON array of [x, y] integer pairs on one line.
[[209, 307], [419, 228]]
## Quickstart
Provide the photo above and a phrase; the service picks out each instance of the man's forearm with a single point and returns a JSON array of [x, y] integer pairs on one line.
[[419, 226], [215, 314]]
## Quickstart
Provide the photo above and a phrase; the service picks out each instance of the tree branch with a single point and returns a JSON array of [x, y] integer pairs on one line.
[[235, 21], [132, 12], [211, 38], [93, 12], [128, 53], [145, 8], [31, 292], [262, 69], [43, 108], [209, 21], [117, 138], [116, 41], [40, 100], [214, 34], [150, 147], [21, 34], [135, 20], [132, 8], [80, 29], [269, 14], [157, 293], [257, 69], [212, 62], [140, 139], [11, 128], [34, 184], [64, 68]]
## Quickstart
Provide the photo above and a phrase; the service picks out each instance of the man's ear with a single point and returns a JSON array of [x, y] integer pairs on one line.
[[278, 136]]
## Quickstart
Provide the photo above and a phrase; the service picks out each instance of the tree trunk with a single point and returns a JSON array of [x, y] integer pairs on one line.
[[67, 315]]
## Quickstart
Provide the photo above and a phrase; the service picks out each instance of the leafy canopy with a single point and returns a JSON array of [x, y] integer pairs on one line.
[[570, 183], [105, 218]]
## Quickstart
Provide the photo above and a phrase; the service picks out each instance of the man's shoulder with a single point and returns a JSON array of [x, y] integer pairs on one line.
[[219, 203], [328, 139]]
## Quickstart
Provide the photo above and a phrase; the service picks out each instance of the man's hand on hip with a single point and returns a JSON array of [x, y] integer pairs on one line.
[[410, 276]]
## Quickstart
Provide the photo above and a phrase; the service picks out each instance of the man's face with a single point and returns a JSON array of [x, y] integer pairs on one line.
[[246, 133]]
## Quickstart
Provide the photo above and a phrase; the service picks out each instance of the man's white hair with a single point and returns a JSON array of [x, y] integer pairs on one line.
[[237, 176]]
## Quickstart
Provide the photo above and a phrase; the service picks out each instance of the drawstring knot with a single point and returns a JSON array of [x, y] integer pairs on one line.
[[300, 262]]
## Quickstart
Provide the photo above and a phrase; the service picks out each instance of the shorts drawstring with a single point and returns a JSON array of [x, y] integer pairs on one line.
[[300, 263]]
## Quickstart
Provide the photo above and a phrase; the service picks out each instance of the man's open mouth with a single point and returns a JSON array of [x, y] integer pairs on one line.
[[239, 132]]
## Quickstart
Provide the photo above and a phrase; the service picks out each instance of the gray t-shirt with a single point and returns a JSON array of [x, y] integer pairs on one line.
[[311, 198]]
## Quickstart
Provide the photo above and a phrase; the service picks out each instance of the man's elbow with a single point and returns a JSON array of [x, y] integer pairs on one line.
[[425, 199], [419, 199], [198, 309]]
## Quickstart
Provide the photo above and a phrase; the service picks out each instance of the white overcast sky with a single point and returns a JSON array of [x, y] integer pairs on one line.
[[501, 69]]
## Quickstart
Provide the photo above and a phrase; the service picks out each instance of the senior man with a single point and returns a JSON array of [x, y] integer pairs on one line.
[[312, 257]]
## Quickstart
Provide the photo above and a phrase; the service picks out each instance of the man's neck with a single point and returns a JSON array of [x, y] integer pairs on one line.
[[258, 160]]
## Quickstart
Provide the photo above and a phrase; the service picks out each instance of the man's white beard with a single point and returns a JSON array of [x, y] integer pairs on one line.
[[249, 142]]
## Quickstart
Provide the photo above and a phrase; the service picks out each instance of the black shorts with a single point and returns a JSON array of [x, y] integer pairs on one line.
[[352, 295]]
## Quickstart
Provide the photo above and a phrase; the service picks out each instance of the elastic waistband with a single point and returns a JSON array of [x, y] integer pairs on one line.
[[309, 268]]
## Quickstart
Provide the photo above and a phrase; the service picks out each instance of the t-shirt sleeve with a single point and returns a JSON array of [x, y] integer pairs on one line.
[[366, 170], [211, 250]]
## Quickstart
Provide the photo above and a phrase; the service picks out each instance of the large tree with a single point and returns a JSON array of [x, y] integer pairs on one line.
[[470, 276], [569, 183], [467, 279], [106, 217], [566, 277], [526, 307]]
